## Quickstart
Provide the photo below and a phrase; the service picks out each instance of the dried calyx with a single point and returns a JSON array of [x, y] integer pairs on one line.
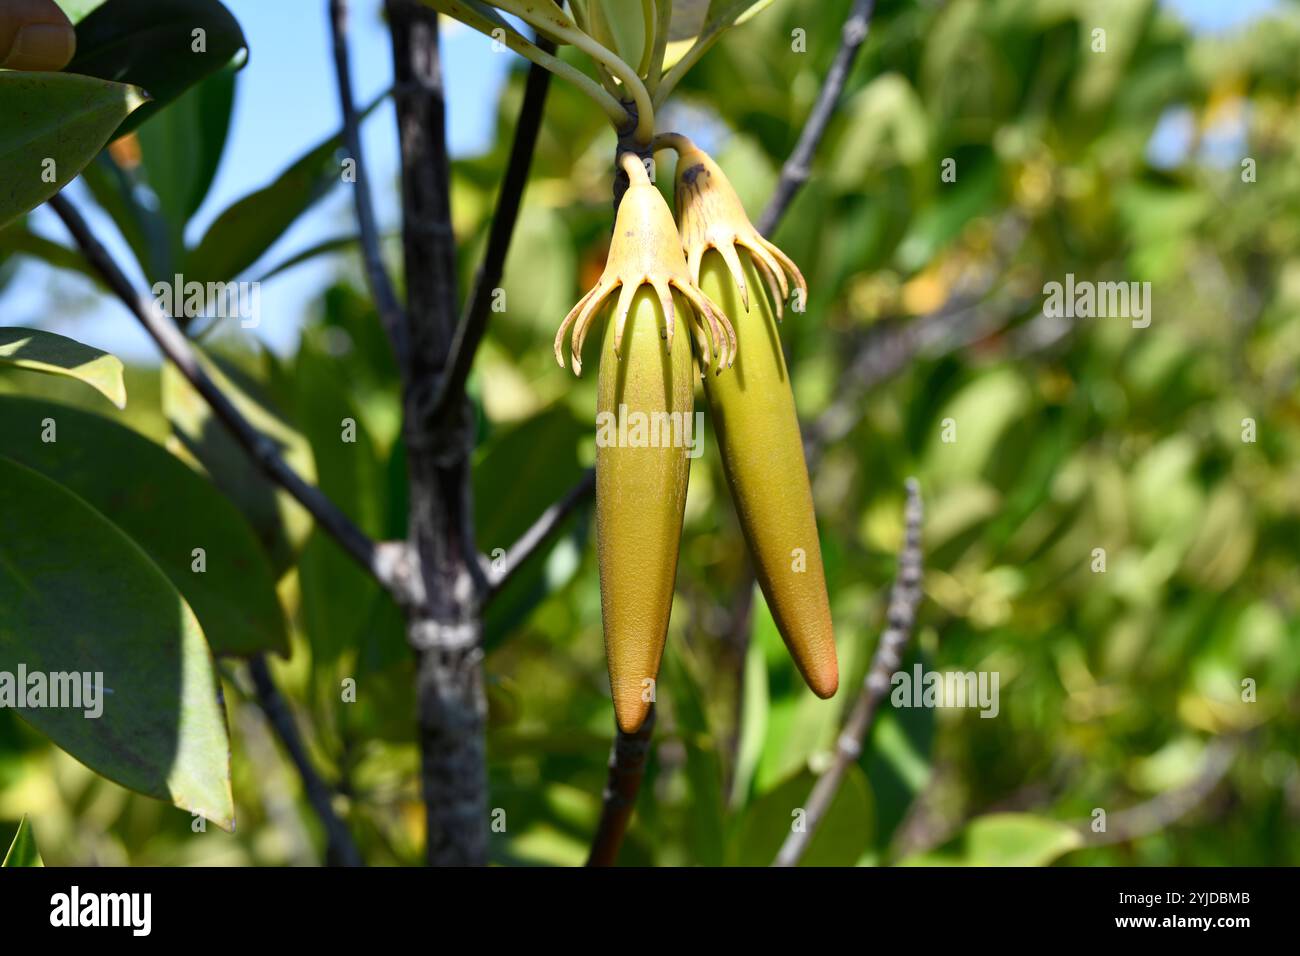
[[711, 216], [646, 250]]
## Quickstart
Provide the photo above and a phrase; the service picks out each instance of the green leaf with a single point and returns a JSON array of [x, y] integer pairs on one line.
[[693, 18], [753, 724], [181, 149], [40, 351], [1003, 839], [157, 45], [53, 125], [166, 509], [897, 762], [22, 851], [281, 524], [338, 597], [519, 474], [17, 239], [705, 821], [249, 227], [78, 10], [322, 248], [78, 596], [842, 836], [143, 227]]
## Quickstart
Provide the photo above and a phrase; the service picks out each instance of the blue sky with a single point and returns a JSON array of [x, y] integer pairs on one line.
[[286, 101]]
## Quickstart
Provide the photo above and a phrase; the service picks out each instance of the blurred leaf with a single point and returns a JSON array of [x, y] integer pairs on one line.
[[181, 148], [39, 351], [54, 124], [164, 508], [322, 248], [245, 230], [753, 724], [18, 239], [281, 524], [337, 595], [76, 592], [519, 474], [22, 851], [844, 834], [121, 193], [163, 46], [705, 819], [1003, 839], [981, 412], [897, 761], [694, 17]]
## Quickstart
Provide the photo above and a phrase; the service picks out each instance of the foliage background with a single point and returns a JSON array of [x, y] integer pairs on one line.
[[1072, 435]]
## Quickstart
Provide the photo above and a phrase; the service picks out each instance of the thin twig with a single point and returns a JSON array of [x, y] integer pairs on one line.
[[798, 167], [1167, 808], [474, 321], [259, 447], [541, 531], [627, 761], [341, 850], [904, 599], [381, 285]]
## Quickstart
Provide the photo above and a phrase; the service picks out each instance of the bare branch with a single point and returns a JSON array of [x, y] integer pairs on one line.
[[1167, 808], [381, 285], [341, 850], [904, 599], [474, 321], [627, 761], [259, 447], [798, 167]]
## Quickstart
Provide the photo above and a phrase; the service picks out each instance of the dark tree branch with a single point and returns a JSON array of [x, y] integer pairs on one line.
[[381, 285], [444, 625], [798, 167], [173, 344], [904, 599], [341, 850], [627, 761], [541, 532], [474, 322]]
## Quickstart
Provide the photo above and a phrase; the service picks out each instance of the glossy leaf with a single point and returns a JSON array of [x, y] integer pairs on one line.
[[51, 126], [1004, 839], [77, 596], [166, 509], [163, 46], [40, 351]]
